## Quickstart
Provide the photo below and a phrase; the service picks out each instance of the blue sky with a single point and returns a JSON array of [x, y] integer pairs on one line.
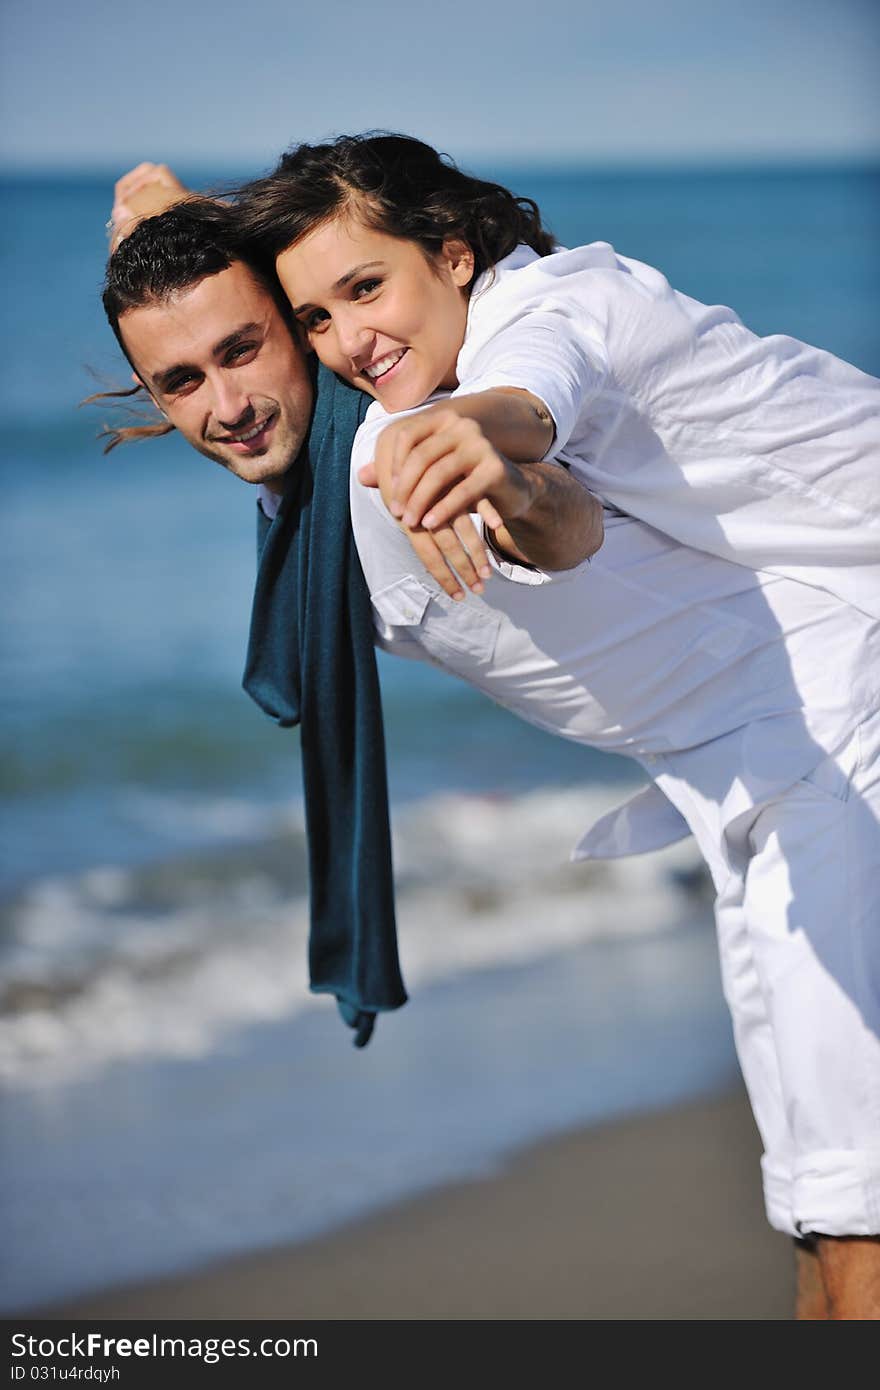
[[95, 84]]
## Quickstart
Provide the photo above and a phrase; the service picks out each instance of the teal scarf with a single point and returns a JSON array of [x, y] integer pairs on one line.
[[311, 662]]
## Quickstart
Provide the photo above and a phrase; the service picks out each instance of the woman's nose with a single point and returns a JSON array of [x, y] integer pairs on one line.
[[354, 338]]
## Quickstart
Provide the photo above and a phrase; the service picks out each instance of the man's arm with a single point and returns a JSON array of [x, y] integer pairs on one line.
[[560, 524], [145, 191]]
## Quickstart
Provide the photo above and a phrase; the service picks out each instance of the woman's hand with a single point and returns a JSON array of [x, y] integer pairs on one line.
[[441, 465]]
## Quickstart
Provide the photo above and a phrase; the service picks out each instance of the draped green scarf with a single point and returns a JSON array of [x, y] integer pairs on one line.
[[311, 662]]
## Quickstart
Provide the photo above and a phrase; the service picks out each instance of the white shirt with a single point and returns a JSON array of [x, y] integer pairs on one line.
[[760, 450], [726, 684]]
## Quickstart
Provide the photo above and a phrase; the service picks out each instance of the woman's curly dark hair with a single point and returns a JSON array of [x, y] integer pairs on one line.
[[395, 184]]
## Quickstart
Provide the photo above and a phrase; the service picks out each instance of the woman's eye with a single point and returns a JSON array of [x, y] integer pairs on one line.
[[315, 319], [365, 287]]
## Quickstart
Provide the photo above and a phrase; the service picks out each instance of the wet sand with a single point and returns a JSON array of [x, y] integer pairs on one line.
[[656, 1217]]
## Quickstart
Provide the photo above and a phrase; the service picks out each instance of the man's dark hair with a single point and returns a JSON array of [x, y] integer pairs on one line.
[[162, 256]]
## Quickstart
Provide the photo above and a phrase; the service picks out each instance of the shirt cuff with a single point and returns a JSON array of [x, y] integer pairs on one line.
[[510, 569]]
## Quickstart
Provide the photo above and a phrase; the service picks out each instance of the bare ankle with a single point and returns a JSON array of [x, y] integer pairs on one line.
[[811, 1303], [850, 1271]]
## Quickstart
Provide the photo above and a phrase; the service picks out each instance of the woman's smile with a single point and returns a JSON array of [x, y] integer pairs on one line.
[[377, 371]]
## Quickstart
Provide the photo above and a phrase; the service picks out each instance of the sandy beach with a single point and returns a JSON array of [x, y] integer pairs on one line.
[[655, 1217]]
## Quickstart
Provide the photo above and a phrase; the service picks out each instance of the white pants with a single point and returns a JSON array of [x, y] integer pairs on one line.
[[799, 934]]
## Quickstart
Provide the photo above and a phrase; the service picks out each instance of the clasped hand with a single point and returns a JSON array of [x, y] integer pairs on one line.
[[433, 470]]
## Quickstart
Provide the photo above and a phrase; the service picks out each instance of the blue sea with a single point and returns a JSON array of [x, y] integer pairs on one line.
[[171, 1091]]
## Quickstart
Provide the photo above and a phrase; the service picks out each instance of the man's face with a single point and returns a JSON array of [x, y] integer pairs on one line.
[[221, 364]]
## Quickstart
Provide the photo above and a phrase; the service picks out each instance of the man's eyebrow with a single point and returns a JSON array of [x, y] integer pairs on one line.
[[232, 338], [345, 280], [164, 378]]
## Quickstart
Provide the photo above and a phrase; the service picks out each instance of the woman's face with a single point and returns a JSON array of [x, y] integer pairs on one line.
[[376, 311]]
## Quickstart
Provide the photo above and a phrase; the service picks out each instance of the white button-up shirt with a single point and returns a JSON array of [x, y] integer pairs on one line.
[[726, 684], [760, 450]]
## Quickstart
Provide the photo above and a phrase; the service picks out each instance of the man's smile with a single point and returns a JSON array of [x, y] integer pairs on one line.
[[251, 440]]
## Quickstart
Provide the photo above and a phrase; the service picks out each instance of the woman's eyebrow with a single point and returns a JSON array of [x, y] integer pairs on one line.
[[343, 281], [357, 270]]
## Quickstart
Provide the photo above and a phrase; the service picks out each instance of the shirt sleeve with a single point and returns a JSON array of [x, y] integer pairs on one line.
[[362, 452], [539, 339]]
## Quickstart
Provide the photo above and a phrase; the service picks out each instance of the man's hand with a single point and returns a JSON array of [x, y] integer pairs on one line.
[[144, 191], [453, 555]]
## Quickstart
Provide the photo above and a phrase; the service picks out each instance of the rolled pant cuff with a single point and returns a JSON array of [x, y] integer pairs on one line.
[[832, 1192]]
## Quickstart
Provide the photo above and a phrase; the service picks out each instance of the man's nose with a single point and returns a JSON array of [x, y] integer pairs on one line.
[[231, 403]]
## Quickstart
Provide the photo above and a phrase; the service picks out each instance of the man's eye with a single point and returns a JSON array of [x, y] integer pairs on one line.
[[365, 287], [241, 351], [180, 383]]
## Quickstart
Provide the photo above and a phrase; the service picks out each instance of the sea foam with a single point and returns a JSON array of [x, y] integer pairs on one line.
[[170, 960]]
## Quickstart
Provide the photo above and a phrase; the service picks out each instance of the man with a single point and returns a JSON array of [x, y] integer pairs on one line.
[[702, 670]]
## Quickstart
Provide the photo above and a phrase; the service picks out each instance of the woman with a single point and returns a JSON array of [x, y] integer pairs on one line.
[[748, 696]]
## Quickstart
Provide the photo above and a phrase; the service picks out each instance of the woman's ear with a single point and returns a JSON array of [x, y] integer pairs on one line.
[[459, 258]]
